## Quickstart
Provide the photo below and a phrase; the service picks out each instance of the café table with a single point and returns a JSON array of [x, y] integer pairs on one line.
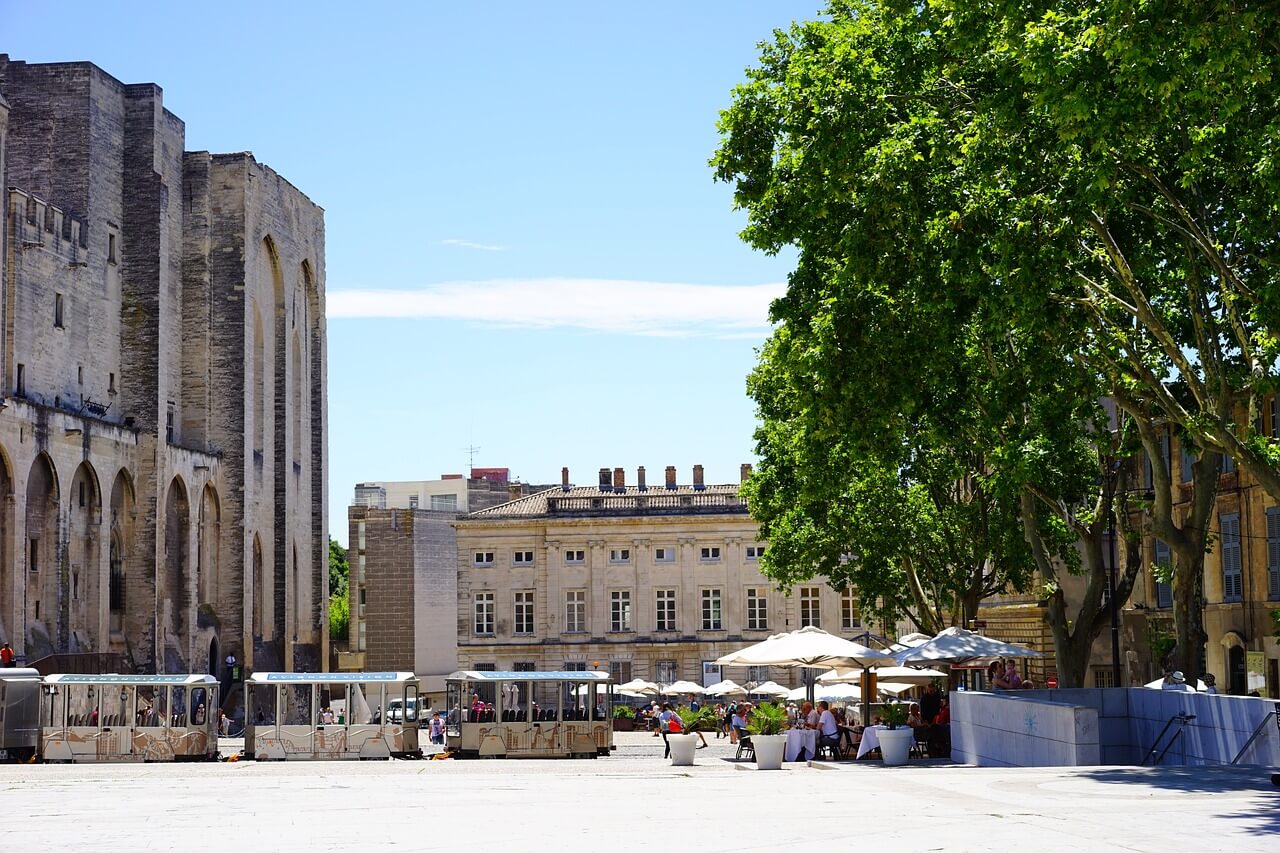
[[870, 739], [800, 739]]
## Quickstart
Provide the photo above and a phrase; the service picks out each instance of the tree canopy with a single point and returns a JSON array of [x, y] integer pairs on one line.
[[1005, 212]]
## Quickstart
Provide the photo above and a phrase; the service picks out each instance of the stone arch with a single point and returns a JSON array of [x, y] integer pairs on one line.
[[175, 595], [316, 554], [208, 557], [43, 589], [10, 623], [84, 558], [256, 587], [258, 427], [297, 405], [120, 549]]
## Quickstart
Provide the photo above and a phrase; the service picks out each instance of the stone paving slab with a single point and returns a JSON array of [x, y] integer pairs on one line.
[[633, 800]]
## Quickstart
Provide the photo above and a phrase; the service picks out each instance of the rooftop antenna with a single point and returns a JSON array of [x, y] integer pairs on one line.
[[471, 451]]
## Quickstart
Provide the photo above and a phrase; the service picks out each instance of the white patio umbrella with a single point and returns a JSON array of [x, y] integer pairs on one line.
[[639, 685], [903, 674], [684, 687], [769, 688], [957, 646], [726, 688], [797, 694], [837, 692], [808, 646], [894, 688]]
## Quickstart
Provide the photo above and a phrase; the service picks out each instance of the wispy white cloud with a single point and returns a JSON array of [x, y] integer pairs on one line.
[[601, 305], [467, 244]]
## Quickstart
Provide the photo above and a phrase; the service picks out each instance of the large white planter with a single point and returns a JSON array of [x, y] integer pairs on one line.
[[895, 745], [682, 747], [769, 751]]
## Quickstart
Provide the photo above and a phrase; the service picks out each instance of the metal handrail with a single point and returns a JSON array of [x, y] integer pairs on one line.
[[1253, 736], [1181, 720]]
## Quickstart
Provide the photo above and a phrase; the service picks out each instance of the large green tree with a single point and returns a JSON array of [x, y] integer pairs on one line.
[[992, 206], [339, 605]]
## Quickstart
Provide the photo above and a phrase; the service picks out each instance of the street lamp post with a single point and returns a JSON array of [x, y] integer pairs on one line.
[[1115, 609]]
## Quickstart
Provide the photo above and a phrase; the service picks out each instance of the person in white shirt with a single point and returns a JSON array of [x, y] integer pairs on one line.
[[828, 728]]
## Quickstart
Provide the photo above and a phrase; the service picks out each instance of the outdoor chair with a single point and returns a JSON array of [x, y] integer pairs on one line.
[[831, 745], [920, 742], [745, 745]]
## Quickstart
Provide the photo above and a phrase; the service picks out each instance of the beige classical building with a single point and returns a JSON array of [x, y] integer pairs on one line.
[[162, 362], [647, 581]]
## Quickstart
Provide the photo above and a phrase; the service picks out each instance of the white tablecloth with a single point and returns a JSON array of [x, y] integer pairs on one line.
[[870, 739], [798, 739]]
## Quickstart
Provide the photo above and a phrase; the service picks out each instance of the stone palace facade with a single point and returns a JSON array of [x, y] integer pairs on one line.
[[162, 362]]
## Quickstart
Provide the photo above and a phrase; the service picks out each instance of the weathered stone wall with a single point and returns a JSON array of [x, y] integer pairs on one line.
[[133, 427]]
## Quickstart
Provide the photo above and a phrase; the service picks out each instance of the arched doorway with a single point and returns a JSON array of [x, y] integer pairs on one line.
[[43, 598], [214, 661], [256, 587], [175, 593], [118, 597], [1237, 675], [84, 560], [10, 622]]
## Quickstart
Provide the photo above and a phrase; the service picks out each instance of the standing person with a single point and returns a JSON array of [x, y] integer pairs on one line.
[[6, 655], [930, 702], [436, 728], [664, 725]]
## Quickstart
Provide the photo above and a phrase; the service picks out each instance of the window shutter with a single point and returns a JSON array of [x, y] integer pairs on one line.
[[1273, 552]]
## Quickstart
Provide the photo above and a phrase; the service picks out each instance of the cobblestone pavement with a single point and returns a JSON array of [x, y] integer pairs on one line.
[[633, 800]]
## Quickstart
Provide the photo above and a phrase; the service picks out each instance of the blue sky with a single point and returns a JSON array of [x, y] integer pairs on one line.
[[525, 249]]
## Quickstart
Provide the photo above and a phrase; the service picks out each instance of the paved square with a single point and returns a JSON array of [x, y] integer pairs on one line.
[[632, 801]]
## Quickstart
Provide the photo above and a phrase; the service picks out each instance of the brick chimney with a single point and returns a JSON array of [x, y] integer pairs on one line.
[[619, 479], [671, 476], [697, 478], [604, 479], [640, 479], [744, 473], [514, 492], [564, 478]]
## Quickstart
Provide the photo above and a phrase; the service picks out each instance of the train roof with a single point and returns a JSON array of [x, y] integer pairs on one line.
[[485, 675], [80, 678], [329, 677]]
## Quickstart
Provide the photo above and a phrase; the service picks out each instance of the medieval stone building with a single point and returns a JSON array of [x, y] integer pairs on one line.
[[162, 357]]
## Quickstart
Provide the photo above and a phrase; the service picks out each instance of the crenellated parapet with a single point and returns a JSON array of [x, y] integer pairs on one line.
[[39, 225]]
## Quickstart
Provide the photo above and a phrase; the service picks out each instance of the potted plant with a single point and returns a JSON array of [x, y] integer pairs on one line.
[[767, 725], [624, 718], [895, 741], [684, 743]]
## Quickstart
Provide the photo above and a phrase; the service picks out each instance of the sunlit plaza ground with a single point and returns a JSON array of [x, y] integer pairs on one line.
[[633, 800]]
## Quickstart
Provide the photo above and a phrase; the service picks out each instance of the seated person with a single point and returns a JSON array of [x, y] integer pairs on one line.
[[944, 714], [914, 720], [828, 728]]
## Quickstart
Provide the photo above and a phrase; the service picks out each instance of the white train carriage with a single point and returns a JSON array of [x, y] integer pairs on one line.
[[89, 718], [19, 713], [529, 714], [292, 716]]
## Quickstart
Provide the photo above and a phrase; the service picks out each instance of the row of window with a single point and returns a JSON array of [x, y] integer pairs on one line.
[[1231, 559], [664, 671], [617, 556], [439, 503], [710, 604]]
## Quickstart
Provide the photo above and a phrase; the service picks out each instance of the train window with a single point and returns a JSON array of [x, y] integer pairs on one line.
[[295, 704]]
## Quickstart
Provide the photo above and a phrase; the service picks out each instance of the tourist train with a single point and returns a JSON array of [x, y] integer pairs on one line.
[[288, 716]]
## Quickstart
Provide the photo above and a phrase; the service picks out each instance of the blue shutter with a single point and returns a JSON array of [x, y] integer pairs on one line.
[[1273, 553], [1164, 591], [1188, 459], [1232, 581]]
